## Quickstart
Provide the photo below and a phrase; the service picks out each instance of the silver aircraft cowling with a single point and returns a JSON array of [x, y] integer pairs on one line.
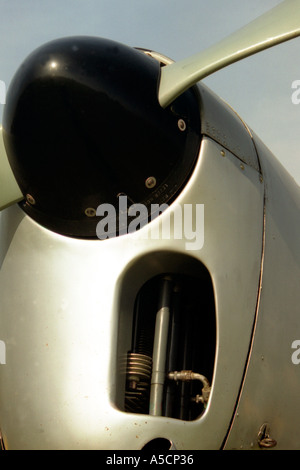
[[67, 310]]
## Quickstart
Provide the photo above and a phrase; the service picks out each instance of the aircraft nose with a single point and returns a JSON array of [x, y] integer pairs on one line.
[[83, 125]]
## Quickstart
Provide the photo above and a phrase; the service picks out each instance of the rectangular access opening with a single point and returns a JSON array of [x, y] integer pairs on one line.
[[171, 361]]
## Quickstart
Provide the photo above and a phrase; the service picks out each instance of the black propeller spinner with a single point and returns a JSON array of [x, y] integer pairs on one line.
[[83, 125]]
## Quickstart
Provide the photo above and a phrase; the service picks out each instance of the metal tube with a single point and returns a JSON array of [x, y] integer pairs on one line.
[[160, 350], [170, 401], [188, 375]]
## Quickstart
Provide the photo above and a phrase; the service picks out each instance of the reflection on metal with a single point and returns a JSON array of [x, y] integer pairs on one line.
[[160, 349], [2, 446]]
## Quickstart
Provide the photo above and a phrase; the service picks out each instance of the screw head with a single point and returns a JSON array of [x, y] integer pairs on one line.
[[90, 212], [181, 125], [30, 199], [150, 182]]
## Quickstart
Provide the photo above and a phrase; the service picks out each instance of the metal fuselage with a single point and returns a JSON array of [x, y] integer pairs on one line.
[[67, 310]]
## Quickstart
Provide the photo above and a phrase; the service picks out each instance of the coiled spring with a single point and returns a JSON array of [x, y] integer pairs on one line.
[[138, 377]]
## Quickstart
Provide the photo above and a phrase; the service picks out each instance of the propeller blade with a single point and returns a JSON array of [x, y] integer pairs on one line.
[[278, 25], [9, 189]]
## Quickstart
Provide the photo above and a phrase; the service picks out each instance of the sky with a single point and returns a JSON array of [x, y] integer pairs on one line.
[[259, 88]]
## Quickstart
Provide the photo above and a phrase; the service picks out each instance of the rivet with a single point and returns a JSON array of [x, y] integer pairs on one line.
[[30, 199], [261, 179], [242, 166], [181, 125], [223, 153], [150, 182], [90, 212]]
